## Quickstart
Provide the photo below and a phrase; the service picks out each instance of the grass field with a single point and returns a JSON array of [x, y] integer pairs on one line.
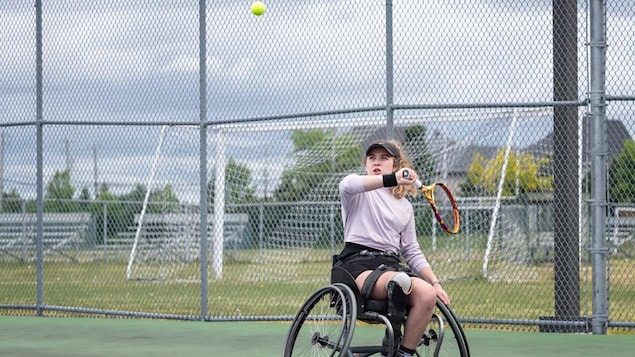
[[277, 284]]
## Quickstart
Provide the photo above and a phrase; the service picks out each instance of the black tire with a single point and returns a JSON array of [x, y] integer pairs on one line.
[[324, 324], [444, 336]]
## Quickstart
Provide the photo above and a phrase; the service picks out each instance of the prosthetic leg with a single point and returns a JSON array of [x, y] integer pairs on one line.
[[398, 288]]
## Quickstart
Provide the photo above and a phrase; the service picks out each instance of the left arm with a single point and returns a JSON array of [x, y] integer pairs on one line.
[[428, 275], [411, 251]]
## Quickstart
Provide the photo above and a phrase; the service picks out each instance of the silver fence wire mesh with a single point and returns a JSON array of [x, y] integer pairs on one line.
[[153, 167]]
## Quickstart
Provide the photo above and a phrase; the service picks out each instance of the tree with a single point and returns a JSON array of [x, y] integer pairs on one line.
[[621, 178], [59, 193], [163, 200], [84, 198], [238, 186], [522, 175], [108, 206], [104, 193], [473, 185], [318, 155], [416, 142], [131, 205], [239, 190], [12, 202], [60, 188]]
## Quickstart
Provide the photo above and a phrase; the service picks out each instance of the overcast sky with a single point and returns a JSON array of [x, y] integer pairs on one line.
[[130, 61]]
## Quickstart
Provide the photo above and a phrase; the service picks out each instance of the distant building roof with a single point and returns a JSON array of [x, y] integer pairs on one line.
[[616, 133], [455, 158]]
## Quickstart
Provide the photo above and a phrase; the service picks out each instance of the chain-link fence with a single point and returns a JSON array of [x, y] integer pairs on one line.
[[134, 140]]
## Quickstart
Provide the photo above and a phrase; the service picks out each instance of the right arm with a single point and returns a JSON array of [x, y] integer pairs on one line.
[[373, 182]]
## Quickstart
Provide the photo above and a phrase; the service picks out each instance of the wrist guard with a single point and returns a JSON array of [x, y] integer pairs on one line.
[[390, 180]]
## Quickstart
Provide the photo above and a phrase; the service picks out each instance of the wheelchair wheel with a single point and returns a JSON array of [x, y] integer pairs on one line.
[[324, 324], [444, 336]]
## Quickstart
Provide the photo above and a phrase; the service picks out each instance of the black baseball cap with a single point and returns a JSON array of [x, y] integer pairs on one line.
[[382, 144]]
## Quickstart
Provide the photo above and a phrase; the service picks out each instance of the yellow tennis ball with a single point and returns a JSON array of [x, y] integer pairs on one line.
[[258, 8]]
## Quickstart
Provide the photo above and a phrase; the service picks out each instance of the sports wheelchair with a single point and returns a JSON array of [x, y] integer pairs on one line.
[[325, 323]]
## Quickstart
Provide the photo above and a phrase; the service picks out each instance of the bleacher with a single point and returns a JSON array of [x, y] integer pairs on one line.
[[303, 226], [307, 225], [62, 233], [173, 229]]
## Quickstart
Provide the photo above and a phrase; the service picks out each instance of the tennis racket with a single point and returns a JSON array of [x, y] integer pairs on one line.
[[442, 202]]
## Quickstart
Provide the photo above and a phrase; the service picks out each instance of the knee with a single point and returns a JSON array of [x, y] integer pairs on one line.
[[423, 293], [403, 280]]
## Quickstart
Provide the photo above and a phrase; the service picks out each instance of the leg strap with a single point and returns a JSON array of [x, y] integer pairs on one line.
[[371, 280]]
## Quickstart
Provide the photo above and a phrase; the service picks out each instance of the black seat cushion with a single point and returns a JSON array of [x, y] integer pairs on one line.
[[340, 275]]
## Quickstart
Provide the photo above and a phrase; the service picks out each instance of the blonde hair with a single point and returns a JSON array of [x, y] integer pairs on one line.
[[402, 161]]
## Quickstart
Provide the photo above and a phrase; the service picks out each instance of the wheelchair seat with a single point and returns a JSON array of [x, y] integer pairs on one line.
[[340, 275]]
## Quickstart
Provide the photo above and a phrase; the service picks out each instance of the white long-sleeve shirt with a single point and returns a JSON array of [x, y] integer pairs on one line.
[[379, 220]]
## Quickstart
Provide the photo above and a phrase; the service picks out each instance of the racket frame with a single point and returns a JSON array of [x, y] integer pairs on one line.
[[428, 193]]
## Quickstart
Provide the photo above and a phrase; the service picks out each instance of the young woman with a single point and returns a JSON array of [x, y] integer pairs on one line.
[[379, 219]]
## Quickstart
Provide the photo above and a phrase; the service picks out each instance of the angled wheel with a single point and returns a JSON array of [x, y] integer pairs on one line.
[[444, 336], [324, 324]]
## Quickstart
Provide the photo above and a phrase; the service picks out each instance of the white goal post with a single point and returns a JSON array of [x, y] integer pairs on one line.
[[499, 193], [135, 244], [168, 139]]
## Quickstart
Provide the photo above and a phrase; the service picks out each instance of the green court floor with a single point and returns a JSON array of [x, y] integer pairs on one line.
[[93, 337]]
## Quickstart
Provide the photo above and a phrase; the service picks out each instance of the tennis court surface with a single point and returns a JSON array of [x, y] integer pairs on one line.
[[92, 337]]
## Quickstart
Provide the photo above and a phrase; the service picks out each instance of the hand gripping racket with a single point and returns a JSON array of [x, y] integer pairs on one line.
[[442, 202]]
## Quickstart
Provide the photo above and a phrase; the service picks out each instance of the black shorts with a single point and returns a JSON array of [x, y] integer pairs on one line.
[[357, 259]]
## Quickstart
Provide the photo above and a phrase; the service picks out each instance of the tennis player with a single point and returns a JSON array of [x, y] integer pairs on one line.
[[379, 228]]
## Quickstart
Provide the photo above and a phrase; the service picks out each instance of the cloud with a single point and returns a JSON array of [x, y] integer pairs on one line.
[[182, 64], [130, 61], [329, 51]]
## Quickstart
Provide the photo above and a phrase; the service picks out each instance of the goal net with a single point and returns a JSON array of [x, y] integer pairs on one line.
[[294, 219], [166, 238], [621, 231]]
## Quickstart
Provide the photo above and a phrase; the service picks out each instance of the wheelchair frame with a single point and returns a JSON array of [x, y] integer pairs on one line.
[[325, 324]]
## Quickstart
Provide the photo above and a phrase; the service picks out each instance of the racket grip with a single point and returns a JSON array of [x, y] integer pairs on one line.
[[417, 183]]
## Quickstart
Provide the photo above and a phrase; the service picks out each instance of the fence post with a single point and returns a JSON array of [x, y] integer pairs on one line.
[[203, 199], [599, 152], [39, 159], [566, 195], [390, 131]]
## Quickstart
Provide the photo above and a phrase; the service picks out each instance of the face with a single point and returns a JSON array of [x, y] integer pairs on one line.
[[379, 162]]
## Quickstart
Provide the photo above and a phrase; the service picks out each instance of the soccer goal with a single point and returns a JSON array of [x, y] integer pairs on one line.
[[517, 234], [621, 230], [163, 235], [167, 233], [493, 225]]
